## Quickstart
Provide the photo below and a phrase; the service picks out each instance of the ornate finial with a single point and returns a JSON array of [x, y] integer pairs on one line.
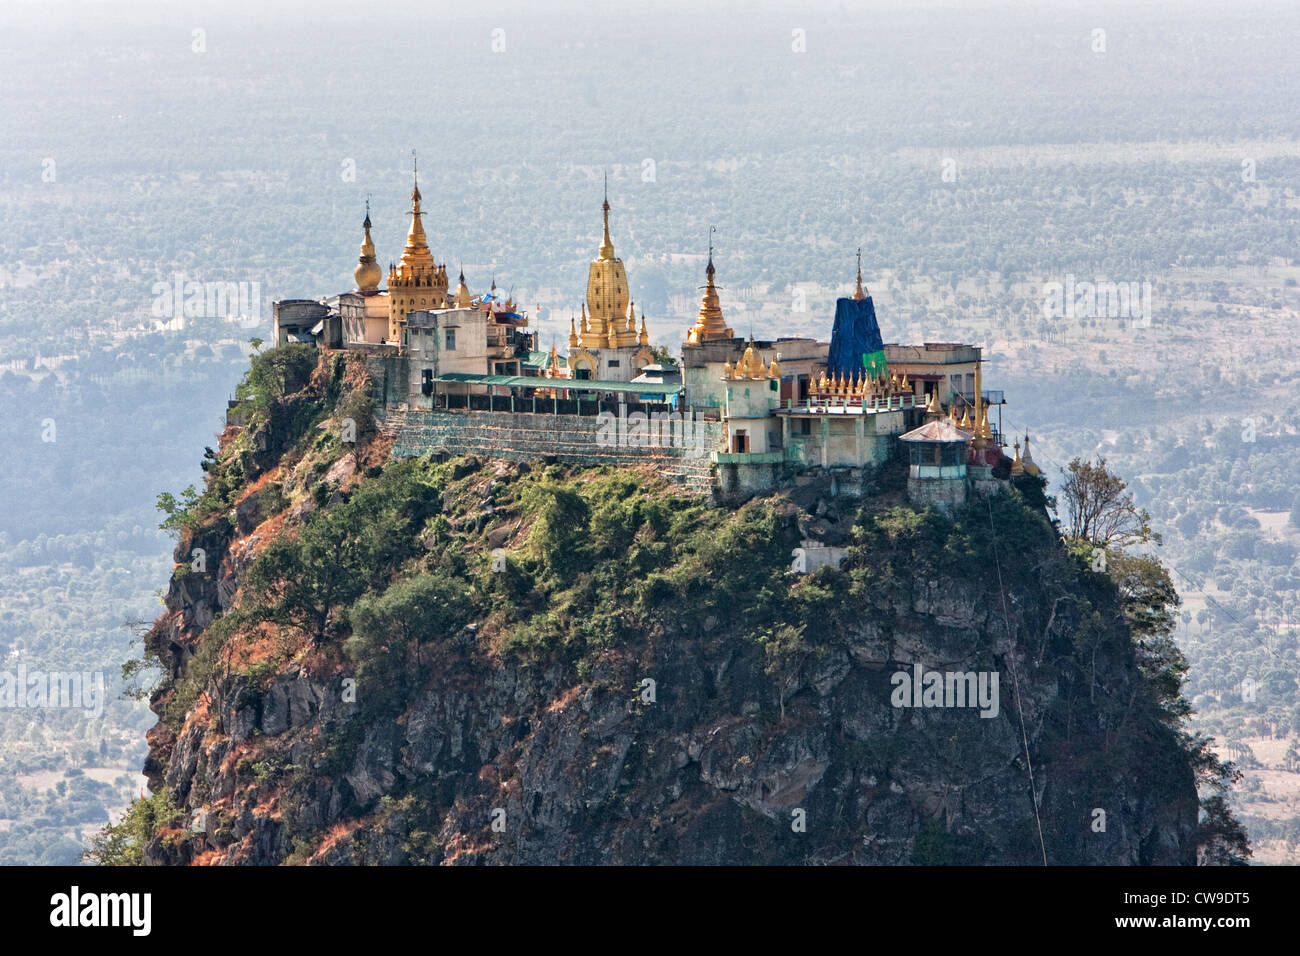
[[366, 223], [860, 293], [415, 178], [606, 244]]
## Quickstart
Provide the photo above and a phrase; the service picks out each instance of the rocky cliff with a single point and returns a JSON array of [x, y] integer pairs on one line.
[[475, 661]]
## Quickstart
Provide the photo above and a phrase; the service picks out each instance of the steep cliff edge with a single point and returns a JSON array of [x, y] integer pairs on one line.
[[469, 661]]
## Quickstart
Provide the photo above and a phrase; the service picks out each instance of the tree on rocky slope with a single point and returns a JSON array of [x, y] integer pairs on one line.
[[1100, 510]]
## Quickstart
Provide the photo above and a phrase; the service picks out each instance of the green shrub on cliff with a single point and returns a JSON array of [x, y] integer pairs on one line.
[[123, 843], [343, 551]]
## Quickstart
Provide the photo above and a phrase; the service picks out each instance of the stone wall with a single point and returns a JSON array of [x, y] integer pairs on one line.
[[739, 482], [523, 436], [390, 380], [946, 494]]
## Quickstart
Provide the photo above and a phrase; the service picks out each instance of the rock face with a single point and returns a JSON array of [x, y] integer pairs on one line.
[[714, 762]]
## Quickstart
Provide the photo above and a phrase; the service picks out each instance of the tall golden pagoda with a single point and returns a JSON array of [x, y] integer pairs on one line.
[[608, 299], [605, 343], [417, 282], [710, 323]]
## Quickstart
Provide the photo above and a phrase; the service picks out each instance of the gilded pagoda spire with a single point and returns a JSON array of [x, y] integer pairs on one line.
[[751, 363], [860, 293], [710, 323], [608, 292], [463, 299], [606, 244], [1017, 466], [416, 253], [417, 282], [367, 273], [980, 420], [1027, 460]]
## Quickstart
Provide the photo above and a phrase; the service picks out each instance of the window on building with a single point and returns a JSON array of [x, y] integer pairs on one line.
[[613, 363], [805, 426], [451, 340], [740, 441]]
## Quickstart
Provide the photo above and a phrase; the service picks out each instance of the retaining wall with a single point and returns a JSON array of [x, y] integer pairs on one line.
[[522, 436]]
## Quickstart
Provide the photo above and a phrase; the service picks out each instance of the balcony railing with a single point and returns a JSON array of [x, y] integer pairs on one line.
[[840, 404]]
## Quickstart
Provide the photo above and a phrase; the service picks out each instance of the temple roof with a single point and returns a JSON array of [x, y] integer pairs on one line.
[[937, 431]]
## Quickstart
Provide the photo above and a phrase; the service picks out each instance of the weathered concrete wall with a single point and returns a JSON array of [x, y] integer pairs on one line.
[[847, 441], [389, 375], [737, 482], [946, 494], [522, 436]]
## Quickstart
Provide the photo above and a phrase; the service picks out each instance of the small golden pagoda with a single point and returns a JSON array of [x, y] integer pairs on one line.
[[710, 324], [367, 274]]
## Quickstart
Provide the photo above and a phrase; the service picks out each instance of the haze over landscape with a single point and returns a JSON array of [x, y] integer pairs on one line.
[[977, 154]]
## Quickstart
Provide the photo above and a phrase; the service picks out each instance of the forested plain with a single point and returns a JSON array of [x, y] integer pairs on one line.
[[972, 156]]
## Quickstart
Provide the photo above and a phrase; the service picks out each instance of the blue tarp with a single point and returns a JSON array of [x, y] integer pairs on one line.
[[855, 340]]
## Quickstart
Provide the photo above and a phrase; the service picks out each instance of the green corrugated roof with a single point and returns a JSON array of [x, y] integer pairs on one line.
[[543, 359], [585, 385]]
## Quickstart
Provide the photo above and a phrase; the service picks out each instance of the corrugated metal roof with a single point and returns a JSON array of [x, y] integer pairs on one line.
[[543, 359], [939, 430]]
